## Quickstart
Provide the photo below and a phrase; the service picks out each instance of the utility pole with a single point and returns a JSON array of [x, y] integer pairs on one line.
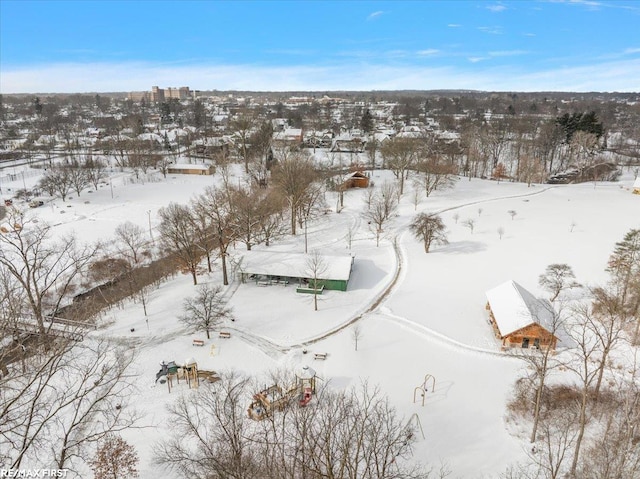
[[150, 232]]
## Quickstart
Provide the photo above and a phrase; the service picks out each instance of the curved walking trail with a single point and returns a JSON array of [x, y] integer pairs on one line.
[[275, 350]]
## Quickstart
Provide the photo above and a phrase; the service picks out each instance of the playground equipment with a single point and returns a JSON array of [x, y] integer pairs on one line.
[[189, 372], [417, 425], [274, 398], [424, 387]]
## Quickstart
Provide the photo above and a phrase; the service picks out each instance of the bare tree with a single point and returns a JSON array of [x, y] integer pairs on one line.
[[500, 231], [400, 155], [543, 361], [351, 233], [512, 213], [379, 213], [205, 239], [132, 237], [433, 174], [178, 235], [558, 278], [68, 400], [311, 206], [469, 223], [430, 229], [216, 203], [94, 170], [57, 180], [206, 310], [606, 322], [315, 269], [614, 452], [293, 176], [45, 269], [347, 434], [585, 363], [163, 164], [271, 222], [247, 206], [243, 125], [213, 436], [559, 437], [77, 175], [356, 334], [261, 153]]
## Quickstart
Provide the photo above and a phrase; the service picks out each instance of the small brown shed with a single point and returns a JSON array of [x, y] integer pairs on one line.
[[190, 169], [357, 179]]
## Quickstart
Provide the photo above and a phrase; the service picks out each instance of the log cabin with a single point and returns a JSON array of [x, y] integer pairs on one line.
[[519, 319]]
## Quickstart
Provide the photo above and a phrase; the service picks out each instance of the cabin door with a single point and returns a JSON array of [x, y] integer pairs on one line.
[[536, 343], [525, 343]]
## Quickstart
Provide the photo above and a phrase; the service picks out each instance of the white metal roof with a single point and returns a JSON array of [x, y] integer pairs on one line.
[[295, 265], [189, 166], [514, 308]]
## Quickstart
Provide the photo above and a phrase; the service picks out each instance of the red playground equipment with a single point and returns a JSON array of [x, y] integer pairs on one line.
[[274, 398]]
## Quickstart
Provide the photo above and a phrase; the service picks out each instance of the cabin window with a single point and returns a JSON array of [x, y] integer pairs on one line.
[[536, 343], [525, 342]]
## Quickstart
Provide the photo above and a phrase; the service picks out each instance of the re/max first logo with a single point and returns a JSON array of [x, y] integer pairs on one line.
[[33, 473]]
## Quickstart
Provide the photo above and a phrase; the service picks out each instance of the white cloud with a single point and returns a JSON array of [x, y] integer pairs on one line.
[[631, 51], [427, 52], [595, 5], [109, 77], [507, 53], [496, 8], [491, 30], [476, 59], [454, 25], [375, 15]]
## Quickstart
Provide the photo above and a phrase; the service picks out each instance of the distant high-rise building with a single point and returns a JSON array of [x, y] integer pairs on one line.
[[158, 95]]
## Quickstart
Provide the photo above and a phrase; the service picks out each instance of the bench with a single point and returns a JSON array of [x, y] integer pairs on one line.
[[264, 283], [224, 335], [198, 342], [322, 356]]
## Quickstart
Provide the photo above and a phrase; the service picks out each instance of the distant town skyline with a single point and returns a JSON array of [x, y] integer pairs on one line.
[[107, 46]]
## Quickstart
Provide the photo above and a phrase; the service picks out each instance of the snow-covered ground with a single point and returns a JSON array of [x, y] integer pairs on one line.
[[418, 313]]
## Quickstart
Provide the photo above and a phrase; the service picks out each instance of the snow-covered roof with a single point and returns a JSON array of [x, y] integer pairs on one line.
[[189, 166], [514, 308], [296, 265], [636, 184]]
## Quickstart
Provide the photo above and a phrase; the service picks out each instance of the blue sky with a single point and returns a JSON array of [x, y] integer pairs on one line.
[[85, 46]]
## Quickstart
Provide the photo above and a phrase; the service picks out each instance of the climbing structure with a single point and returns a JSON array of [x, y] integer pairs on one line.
[[274, 398]]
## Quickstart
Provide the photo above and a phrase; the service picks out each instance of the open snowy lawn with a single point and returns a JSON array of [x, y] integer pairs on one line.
[[431, 320], [578, 225]]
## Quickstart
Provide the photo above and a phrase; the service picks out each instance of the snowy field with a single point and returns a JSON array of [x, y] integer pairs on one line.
[[419, 313]]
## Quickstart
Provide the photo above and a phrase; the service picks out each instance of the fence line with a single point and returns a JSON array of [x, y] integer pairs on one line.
[[12, 177]]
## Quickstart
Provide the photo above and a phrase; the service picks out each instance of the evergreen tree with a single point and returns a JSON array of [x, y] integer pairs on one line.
[[624, 267], [366, 123], [199, 114], [37, 106], [587, 122]]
